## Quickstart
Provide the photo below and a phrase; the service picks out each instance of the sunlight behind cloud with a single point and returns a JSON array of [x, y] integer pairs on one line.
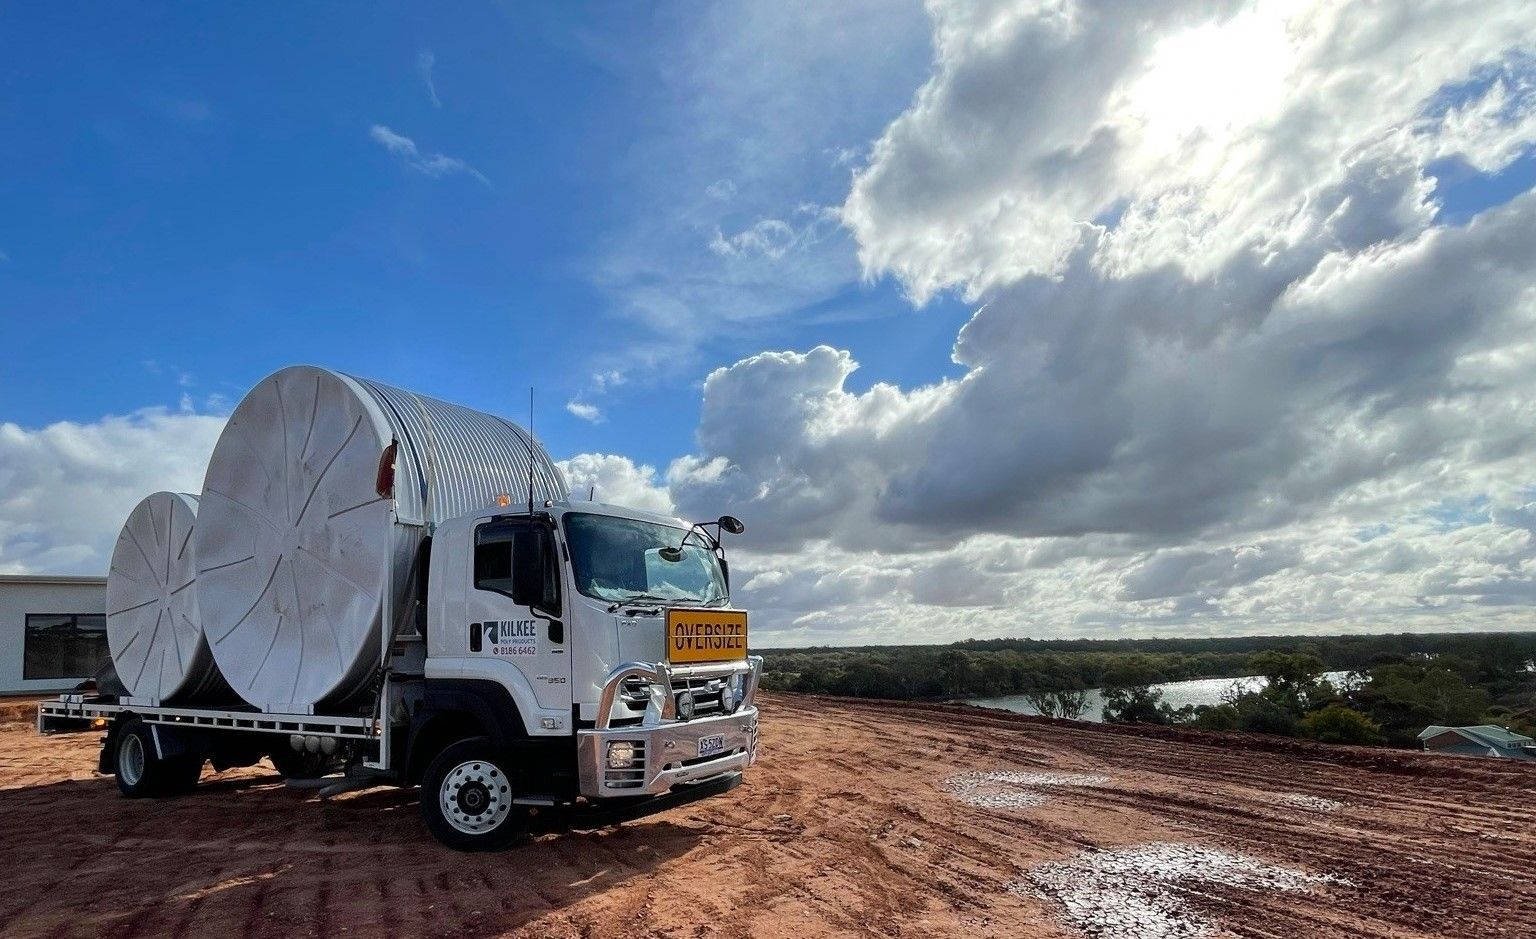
[[1212, 80]]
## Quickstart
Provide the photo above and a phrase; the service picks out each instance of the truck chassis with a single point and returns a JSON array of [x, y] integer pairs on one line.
[[528, 784]]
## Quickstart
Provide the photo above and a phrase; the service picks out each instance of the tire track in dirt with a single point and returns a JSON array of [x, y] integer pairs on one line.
[[843, 829]]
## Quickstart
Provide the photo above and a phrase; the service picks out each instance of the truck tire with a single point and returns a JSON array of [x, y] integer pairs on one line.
[[142, 773], [291, 764], [466, 797]]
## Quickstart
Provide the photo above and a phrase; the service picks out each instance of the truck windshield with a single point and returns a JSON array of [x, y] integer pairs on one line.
[[619, 559]]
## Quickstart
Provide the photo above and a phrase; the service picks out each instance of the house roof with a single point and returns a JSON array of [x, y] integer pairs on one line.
[[1483, 734], [76, 579]]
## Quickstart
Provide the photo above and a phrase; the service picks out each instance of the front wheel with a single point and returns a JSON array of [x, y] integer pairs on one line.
[[466, 798]]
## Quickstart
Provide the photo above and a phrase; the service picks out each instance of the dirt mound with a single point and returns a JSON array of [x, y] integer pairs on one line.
[[15, 711]]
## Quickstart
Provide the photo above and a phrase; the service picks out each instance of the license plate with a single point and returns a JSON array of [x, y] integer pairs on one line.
[[709, 746], [695, 635]]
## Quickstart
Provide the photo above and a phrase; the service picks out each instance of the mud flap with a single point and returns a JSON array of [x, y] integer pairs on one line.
[[175, 741], [106, 760]]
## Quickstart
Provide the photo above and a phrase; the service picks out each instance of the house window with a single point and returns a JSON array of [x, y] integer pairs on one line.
[[63, 645]]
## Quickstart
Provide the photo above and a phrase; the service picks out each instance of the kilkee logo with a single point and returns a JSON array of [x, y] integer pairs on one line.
[[510, 630]]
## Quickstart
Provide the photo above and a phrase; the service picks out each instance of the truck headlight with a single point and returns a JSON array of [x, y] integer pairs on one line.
[[685, 705], [730, 699], [621, 754]]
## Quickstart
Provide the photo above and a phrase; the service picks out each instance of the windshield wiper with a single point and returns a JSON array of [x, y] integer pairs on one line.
[[648, 598], [651, 598]]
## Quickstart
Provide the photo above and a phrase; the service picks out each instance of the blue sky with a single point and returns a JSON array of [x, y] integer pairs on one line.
[[194, 199], [989, 318]]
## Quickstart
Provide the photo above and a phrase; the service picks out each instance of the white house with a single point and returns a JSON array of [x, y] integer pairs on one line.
[[53, 631]]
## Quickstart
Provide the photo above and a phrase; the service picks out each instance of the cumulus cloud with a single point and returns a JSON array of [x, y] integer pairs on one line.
[[65, 489], [782, 440], [1227, 369], [1178, 572], [617, 480], [1208, 128], [1488, 122], [428, 164]]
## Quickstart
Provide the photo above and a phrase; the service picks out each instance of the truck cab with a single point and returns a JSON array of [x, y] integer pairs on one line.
[[593, 653]]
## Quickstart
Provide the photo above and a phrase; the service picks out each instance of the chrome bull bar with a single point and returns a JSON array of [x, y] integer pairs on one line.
[[660, 677], [667, 751]]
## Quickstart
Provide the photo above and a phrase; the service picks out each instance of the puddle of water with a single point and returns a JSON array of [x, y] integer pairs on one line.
[[1297, 800], [1138, 892], [1010, 790]]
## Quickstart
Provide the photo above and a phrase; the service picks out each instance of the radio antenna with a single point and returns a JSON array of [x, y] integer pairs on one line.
[[530, 451]]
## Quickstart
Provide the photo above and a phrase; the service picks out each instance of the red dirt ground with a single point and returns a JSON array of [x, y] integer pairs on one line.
[[845, 828]]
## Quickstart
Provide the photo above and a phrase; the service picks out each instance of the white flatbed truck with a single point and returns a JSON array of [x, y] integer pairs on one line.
[[541, 680]]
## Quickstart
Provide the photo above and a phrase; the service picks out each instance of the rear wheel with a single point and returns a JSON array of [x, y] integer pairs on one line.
[[466, 798], [143, 773]]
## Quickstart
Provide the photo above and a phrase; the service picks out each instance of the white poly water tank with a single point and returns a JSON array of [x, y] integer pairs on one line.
[[295, 538], [153, 629]]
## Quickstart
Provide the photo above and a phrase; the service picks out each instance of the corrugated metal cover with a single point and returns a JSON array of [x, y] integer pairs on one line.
[[478, 457], [294, 542]]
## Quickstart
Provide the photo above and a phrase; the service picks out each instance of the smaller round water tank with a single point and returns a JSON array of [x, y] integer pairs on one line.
[[153, 629]]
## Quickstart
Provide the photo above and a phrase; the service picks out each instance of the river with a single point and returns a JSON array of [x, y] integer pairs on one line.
[[1176, 694]]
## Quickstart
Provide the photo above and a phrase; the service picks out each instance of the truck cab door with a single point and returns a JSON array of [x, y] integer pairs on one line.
[[531, 636]]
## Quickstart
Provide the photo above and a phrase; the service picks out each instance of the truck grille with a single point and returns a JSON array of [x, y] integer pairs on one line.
[[706, 693], [635, 693]]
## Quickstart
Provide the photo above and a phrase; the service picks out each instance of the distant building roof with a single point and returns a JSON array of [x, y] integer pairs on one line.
[[1480, 739], [82, 579], [1482, 733]]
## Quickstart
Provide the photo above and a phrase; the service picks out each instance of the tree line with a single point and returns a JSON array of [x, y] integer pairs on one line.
[[1397, 683]]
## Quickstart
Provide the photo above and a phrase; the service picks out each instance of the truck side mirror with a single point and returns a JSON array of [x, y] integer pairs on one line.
[[528, 567]]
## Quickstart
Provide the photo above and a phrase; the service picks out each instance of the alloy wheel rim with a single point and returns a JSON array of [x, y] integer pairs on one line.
[[475, 797]]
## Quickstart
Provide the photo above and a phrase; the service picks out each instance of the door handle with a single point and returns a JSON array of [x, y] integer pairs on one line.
[[474, 637], [556, 631]]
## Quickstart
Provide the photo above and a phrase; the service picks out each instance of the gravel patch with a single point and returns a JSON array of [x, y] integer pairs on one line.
[[1297, 800], [1009, 790], [1139, 892]]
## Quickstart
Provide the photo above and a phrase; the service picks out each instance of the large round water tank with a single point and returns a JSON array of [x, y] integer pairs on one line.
[[153, 630], [301, 525]]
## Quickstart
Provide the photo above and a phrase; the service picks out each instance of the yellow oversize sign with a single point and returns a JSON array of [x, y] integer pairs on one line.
[[706, 635]]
